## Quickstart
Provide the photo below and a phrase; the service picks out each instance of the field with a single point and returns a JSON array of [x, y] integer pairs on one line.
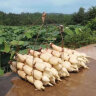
[[21, 38]]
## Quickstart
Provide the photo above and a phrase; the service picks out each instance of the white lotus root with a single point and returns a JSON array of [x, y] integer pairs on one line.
[[29, 62], [57, 48], [27, 69], [20, 65], [37, 74], [22, 74], [46, 80], [54, 60], [48, 66], [56, 53], [39, 85], [30, 79], [13, 68], [40, 66]]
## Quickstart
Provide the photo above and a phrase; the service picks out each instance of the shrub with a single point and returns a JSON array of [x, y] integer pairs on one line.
[[92, 24]]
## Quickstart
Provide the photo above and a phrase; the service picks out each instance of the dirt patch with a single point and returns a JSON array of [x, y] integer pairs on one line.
[[5, 83]]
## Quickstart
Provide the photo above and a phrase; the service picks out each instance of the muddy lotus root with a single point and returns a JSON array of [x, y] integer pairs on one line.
[[48, 66]]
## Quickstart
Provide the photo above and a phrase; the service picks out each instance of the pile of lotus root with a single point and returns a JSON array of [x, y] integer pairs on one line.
[[48, 66]]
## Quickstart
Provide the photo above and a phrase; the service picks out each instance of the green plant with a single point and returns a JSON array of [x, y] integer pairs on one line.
[[1, 72], [92, 24]]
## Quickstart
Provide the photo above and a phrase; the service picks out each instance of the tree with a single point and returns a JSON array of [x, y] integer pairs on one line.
[[78, 17], [91, 13]]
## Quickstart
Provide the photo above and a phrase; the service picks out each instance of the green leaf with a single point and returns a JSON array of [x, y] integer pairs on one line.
[[14, 42], [1, 72], [21, 43], [23, 51], [6, 47], [28, 35], [26, 43], [77, 30], [1, 32], [12, 54], [43, 46], [69, 32], [2, 39]]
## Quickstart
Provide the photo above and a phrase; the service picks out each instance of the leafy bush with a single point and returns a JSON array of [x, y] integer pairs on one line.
[[92, 24], [79, 37]]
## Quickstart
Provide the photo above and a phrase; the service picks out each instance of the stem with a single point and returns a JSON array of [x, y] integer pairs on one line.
[[62, 39]]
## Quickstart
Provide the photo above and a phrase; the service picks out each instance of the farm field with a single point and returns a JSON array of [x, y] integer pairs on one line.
[[21, 38]]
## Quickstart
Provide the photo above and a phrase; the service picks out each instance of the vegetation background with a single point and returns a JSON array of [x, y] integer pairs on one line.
[[81, 17]]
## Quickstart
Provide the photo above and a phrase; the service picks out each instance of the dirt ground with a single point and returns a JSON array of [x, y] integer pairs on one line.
[[5, 83]]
